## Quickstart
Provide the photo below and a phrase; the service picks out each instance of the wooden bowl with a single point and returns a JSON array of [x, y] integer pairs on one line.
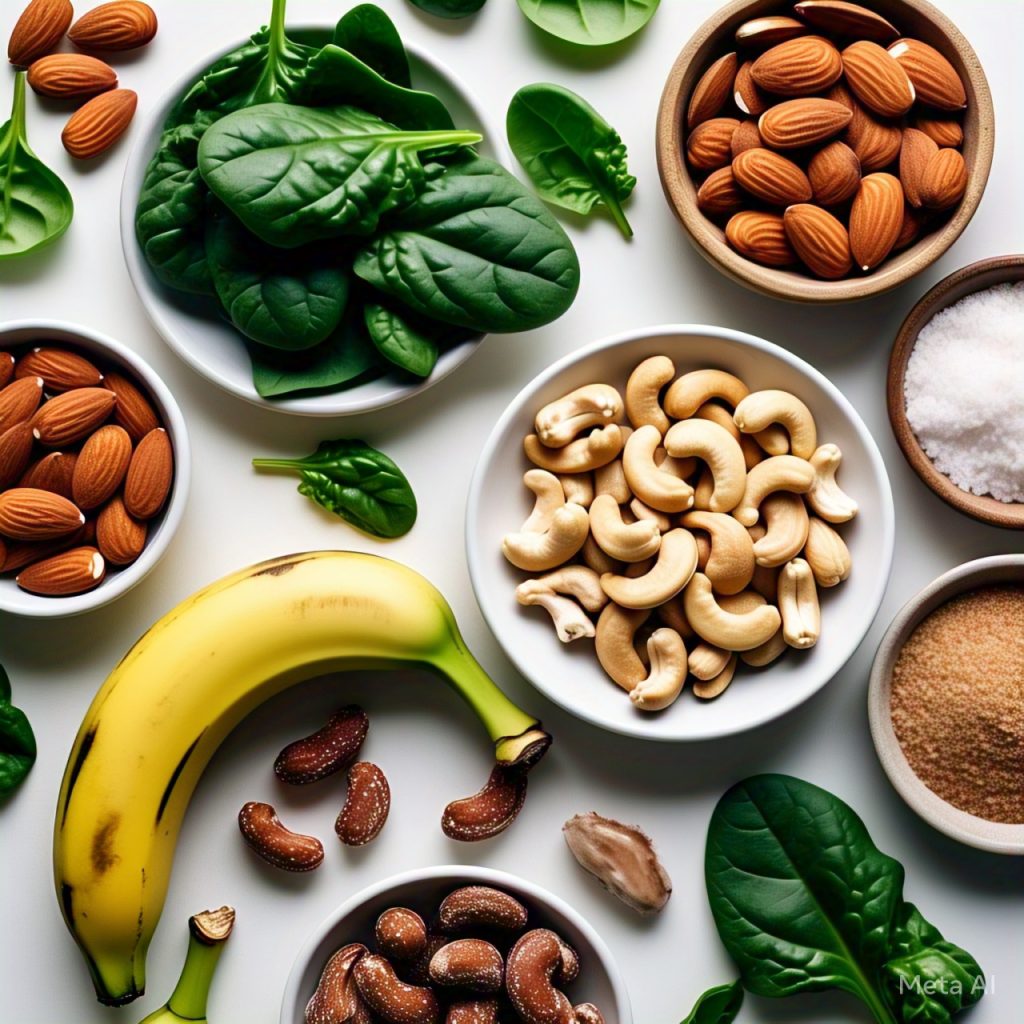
[[973, 278], [915, 18]]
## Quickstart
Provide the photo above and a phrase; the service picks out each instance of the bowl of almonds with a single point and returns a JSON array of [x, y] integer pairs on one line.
[[825, 151], [94, 469]]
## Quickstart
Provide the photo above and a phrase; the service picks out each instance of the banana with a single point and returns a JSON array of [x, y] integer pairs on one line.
[[164, 710]]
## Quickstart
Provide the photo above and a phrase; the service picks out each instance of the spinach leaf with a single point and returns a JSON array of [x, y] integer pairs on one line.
[[293, 175], [718, 1005], [370, 35], [590, 22], [449, 8], [410, 342], [357, 483], [475, 250], [574, 158], [17, 741], [35, 205], [804, 901]]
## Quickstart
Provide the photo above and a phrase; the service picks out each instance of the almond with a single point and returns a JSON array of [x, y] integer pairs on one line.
[[834, 173], [802, 122], [150, 475], [6, 368], [70, 74], [133, 411], [944, 180], [30, 514], [876, 218], [708, 146], [913, 221], [771, 177], [53, 472], [101, 467], [119, 536], [61, 370], [71, 416], [934, 78], [916, 151], [875, 143], [96, 126], [845, 19], [819, 239], [19, 400], [745, 137], [712, 91], [767, 31], [944, 131], [120, 25], [15, 451], [71, 572], [719, 194], [877, 80], [27, 552], [760, 237], [39, 29], [798, 67]]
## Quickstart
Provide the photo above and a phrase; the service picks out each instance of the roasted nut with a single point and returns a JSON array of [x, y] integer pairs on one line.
[[761, 409], [580, 456], [336, 999], [719, 451], [489, 811], [534, 964], [733, 631], [587, 1013], [577, 487], [625, 542], [676, 562], [707, 661], [417, 972], [596, 560], [786, 522], [771, 650], [268, 838], [613, 644], [666, 654], [593, 405], [480, 906], [469, 964], [778, 473], [693, 389], [730, 563], [716, 685], [644, 512], [473, 1011], [326, 751], [391, 998], [643, 393], [535, 552], [826, 553], [401, 934], [366, 806], [549, 495], [651, 484]]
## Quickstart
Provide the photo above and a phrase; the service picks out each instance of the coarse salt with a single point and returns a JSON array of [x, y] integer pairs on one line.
[[964, 390]]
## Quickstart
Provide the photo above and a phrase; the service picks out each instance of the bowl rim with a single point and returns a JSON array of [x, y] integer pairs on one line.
[[948, 291], [991, 836], [469, 873], [680, 191], [35, 606], [337, 403], [474, 555]]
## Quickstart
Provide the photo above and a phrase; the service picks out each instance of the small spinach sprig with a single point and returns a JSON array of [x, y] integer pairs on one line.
[[589, 22], [17, 741], [718, 1005]]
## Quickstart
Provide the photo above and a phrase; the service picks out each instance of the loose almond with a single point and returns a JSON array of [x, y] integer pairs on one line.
[[846, 19], [712, 91], [944, 180], [708, 146], [935, 79], [745, 137], [876, 218], [70, 74], [802, 122], [133, 411], [820, 240], [767, 31], [27, 513], [38, 30], [120, 537], [916, 151], [20, 400], [878, 81], [69, 417], [119, 25], [944, 131], [150, 475], [834, 173], [6, 368], [719, 193], [771, 177], [53, 472], [760, 237], [101, 467], [746, 93], [96, 126], [60, 369], [798, 67], [70, 572]]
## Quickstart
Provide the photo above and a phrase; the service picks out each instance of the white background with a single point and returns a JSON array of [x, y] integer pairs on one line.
[[430, 747]]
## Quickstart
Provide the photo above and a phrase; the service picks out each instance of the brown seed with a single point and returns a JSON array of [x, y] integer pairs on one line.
[[53, 472], [761, 237], [401, 934], [60, 369], [819, 239], [95, 126], [746, 93], [491, 810], [15, 451], [71, 572], [798, 67], [587, 1013], [268, 838], [366, 806], [390, 998], [118, 25], [417, 972], [476, 907], [719, 194], [120, 538], [72, 416], [845, 19], [708, 145], [913, 221], [22, 553], [802, 122], [150, 475], [38, 30], [876, 218], [745, 137], [326, 751], [472, 965], [771, 178], [916, 151], [712, 91], [6, 369], [834, 173], [878, 81], [935, 79], [535, 965], [944, 131], [133, 411], [336, 999], [473, 1011], [101, 466], [770, 30], [875, 143], [30, 514], [944, 180], [70, 75], [19, 400]]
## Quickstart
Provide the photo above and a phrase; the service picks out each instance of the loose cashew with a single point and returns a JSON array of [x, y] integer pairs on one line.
[[798, 604], [613, 644], [672, 615], [722, 453], [563, 538], [826, 497], [643, 390], [675, 565], [570, 621], [579, 456], [611, 479], [692, 390], [627, 542], [579, 582], [827, 554], [786, 522], [730, 565], [778, 473], [731, 630], [716, 686], [760, 409], [642, 511], [771, 650], [550, 498], [667, 654], [593, 405], [707, 661], [653, 486], [578, 488]]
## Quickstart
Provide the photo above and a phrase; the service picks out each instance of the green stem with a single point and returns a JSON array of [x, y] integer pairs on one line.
[[277, 40], [286, 464], [619, 217], [18, 107]]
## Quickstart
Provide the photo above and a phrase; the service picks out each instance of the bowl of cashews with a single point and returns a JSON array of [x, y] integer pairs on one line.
[[680, 532]]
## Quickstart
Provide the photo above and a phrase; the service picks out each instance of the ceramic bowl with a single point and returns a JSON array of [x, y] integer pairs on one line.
[[599, 981], [965, 828], [973, 278], [917, 19], [569, 673], [19, 333], [193, 325]]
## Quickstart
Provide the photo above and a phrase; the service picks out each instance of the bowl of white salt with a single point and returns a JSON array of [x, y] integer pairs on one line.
[[956, 390]]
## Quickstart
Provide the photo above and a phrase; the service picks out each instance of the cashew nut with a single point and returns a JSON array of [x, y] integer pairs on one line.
[[760, 409], [730, 565], [672, 615], [642, 511], [611, 479], [613, 644], [825, 496], [643, 390], [798, 604], [786, 522], [653, 486], [692, 390], [579, 582], [578, 488], [627, 542], [735, 631], [570, 621], [675, 565], [827, 554], [667, 654], [550, 498], [594, 558], [579, 456], [778, 473], [767, 652], [537, 551], [593, 405], [722, 453], [703, 546], [535, 964], [707, 661], [702, 491], [681, 468], [716, 686]]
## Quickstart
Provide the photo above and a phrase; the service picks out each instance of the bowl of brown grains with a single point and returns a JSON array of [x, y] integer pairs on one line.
[[946, 703]]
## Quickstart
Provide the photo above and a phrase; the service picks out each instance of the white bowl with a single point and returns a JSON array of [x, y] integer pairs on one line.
[[17, 333], [194, 327], [569, 674], [599, 982]]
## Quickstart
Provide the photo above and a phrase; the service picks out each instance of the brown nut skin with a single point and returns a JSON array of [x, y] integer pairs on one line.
[[401, 934], [588, 1013], [392, 999], [473, 1011], [266, 836], [479, 906], [417, 972], [472, 965], [336, 999], [535, 964], [326, 751], [489, 811], [366, 807]]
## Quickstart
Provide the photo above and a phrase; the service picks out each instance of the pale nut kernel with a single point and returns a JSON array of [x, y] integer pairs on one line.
[[401, 934], [719, 451], [643, 393], [827, 554], [570, 621], [707, 661], [730, 562], [717, 685], [611, 479], [536, 552], [825, 496], [642, 512], [593, 405], [778, 473], [786, 521], [654, 486], [472, 965], [733, 631], [798, 605], [580, 456], [613, 644], [391, 998], [761, 409], [549, 497], [675, 564], [579, 582], [625, 542], [771, 650], [666, 677], [577, 488], [693, 389], [480, 906]]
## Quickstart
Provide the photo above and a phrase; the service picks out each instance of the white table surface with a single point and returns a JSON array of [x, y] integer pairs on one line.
[[424, 737]]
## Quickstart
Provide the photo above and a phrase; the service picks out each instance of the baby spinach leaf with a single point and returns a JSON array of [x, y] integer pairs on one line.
[[357, 483], [718, 1005], [370, 35], [17, 741], [35, 205], [293, 175], [449, 8], [410, 342], [574, 158], [590, 22], [476, 250]]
